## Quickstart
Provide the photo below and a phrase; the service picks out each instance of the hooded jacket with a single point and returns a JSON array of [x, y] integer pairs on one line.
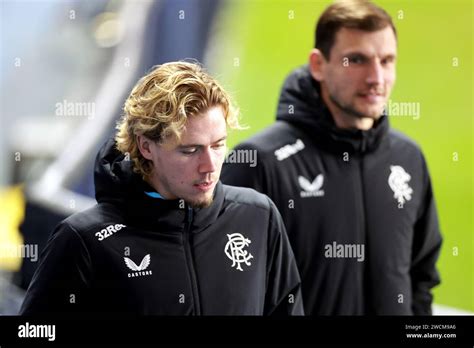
[[136, 254], [358, 206]]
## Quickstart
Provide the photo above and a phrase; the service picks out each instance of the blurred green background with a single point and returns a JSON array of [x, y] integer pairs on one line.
[[260, 42]]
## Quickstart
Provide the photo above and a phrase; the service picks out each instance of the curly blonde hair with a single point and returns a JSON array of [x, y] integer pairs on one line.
[[162, 101]]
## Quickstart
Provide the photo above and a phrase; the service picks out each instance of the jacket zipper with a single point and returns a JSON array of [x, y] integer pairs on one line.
[[190, 262], [365, 281]]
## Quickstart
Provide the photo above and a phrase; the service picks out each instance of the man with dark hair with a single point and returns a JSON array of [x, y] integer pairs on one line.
[[166, 237], [355, 195]]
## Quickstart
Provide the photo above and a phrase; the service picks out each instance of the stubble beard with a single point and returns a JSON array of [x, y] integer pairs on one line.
[[351, 111], [203, 203]]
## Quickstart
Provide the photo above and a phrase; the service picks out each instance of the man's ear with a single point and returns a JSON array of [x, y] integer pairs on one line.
[[144, 145], [316, 64]]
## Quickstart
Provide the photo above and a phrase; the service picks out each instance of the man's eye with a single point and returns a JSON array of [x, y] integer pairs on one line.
[[189, 151], [355, 60], [219, 146], [388, 60]]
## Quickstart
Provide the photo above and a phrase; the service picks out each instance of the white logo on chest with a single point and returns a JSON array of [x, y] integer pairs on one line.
[[234, 249], [108, 231], [398, 182], [311, 189], [138, 270], [288, 150]]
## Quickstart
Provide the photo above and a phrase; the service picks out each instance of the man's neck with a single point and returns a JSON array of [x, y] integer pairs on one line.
[[150, 182]]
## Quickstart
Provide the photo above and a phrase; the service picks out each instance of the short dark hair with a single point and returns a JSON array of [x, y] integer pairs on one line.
[[352, 14]]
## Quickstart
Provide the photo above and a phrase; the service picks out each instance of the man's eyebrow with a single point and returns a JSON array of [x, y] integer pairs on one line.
[[183, 146], [352, 53], [363, 55], [390, 55]]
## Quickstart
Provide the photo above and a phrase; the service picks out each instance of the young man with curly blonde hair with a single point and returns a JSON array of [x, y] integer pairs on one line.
[[166, 237]]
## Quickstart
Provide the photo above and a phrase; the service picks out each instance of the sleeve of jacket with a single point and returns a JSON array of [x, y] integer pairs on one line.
[[250, 175], [426, 248], [61, 279], [283, 295]]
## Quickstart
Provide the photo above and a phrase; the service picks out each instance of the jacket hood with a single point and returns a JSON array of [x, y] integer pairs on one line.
[[301, 105], [114, 178], [116, 183]]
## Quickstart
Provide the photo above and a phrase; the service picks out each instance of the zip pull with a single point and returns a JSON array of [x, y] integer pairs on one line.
[[190, 217], [363, 145]]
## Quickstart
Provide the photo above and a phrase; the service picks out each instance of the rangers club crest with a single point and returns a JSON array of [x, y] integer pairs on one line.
[[398, 182], [234, 249]]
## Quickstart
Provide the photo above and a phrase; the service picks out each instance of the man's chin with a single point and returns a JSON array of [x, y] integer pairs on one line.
[[201, 202], [375, 116], [363, 111], [374, 113]]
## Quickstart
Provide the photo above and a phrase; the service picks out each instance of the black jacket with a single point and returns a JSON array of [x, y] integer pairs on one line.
[[132, 253], [344, 193]]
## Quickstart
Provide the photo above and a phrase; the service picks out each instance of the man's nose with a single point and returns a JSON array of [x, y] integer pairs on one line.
[[207, 162], [375, 74]]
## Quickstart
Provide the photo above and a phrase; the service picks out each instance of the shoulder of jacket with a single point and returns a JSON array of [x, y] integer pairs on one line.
[[246, 196], [400, 140], [272, 140], [92, 219]]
